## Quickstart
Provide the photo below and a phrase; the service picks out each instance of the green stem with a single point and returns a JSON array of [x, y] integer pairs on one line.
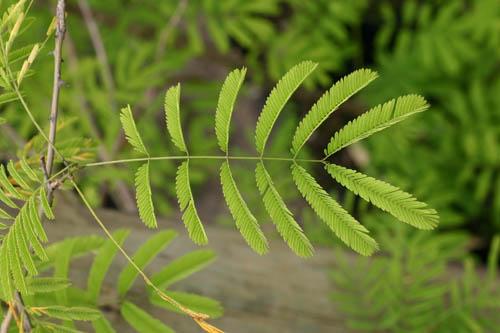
[[201, 157]]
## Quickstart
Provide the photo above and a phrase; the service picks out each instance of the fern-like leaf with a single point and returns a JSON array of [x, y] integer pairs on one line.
[[391, 199], [173, 118], [277, 99], [338, 220], [131, 132], [142, 257], [281, 216], [340, 92], [186, 203], [245, 221], [144, 196], [376, 119], [225, 106]]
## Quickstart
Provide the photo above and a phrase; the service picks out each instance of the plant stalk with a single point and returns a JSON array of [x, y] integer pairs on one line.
[[56, 88]]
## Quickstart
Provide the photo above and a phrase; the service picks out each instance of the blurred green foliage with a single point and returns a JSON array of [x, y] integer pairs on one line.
[[446, 50], [411, 286]]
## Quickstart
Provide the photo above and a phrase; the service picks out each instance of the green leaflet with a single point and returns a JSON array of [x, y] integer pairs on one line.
[[376, 119], [17, 176], [143, 196], [225, 106], [142, 257], [389, 198], [101, 263], [22, 249], [173, 117], [340, 92], [36, 223], [131, 132], [6, 200], [29, 231], [350, 231], [69, 313], [200, 304], [5, 278], [281, 216], [182, 267], [15, 249], [142, 321], [245, 221], [186, 203], [29, 171], [15, 265], [47, 209], [47, 284], [277, 99], [5, 182]]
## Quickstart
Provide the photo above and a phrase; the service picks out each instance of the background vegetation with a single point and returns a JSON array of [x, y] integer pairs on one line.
[[120, 52]]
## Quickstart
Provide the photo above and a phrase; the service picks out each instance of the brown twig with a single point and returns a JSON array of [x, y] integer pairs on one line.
[[54, 106], [6, 322]]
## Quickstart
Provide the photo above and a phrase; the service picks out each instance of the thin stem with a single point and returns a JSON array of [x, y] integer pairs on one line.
[[54, 108], [6, 321], [202, 157], [199, 318]]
